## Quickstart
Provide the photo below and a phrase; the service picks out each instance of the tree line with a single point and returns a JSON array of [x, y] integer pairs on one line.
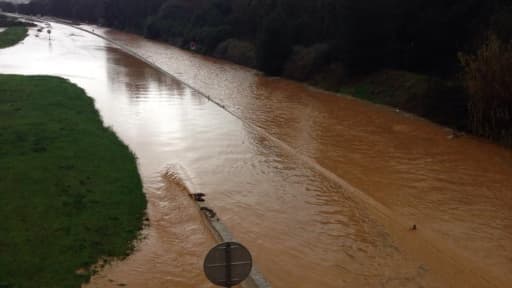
[[416, 35]]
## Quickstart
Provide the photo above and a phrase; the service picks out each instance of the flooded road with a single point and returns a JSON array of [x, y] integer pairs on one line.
[[321, 188]]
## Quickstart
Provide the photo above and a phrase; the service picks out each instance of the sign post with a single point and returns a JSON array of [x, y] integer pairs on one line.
[[228, 264]]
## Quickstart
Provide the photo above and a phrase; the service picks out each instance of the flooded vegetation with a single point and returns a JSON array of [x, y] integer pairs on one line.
[[323, 189]]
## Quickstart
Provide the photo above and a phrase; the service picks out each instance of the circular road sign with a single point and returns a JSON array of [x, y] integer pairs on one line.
[[228, 264]]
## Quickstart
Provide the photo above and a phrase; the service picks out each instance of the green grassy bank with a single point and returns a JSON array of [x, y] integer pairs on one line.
[[440, 101], [70, 191], [12, 35]]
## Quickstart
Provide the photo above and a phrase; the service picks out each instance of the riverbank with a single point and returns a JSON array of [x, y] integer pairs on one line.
[[443, 102], [82, 199], [14, 31], [12, 36]]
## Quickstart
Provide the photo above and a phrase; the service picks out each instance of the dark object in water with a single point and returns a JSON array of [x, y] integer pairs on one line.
[[198, 197], [455, 134], [413, 228], [209, 212]]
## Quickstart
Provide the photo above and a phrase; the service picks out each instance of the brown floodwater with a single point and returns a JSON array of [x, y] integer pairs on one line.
[[321, 188]]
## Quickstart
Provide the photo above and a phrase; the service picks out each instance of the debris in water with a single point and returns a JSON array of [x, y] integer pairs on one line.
[[455, 134], [209, 212], [199, 197]]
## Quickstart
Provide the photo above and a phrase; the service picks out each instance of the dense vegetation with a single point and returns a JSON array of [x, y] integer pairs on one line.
[[325, 42], [72, 184], [488, 79]]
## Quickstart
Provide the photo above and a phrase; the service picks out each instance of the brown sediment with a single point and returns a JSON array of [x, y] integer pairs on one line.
[[170, 254], [322, 189], [457, 190]]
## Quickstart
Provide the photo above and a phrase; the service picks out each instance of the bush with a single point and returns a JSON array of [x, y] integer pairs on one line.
[[240, 52], [488, 79], [274, 44], [210, 37], [303, 62], [501, 24]]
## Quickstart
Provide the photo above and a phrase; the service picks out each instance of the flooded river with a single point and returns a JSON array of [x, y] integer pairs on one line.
[[321, 188]]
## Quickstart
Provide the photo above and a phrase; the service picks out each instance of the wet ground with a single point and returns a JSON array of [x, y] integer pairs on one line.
[[321, 188]]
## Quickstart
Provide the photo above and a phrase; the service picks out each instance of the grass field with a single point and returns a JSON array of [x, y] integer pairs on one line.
[[12, 35], [70, 191]]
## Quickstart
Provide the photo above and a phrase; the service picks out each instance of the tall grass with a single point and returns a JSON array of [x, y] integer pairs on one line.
[[488, 79]]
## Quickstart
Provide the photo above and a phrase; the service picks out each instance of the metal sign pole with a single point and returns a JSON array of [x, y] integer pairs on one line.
[[240, 266], [228, 267]]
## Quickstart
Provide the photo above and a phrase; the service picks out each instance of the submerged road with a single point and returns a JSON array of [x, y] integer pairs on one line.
[[321, 188]]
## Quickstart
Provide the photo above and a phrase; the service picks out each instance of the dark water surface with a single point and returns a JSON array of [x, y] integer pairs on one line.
[[321, 188]]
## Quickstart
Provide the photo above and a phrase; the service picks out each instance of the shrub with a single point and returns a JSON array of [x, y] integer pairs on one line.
[[488, 79], [304, 61], [501, 24], [237, 51], [274, 44], [210, 37]]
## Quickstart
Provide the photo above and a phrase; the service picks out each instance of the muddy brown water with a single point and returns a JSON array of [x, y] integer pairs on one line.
[[321, 188]]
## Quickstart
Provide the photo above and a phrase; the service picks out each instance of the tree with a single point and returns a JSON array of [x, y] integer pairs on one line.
[[274, 44]]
